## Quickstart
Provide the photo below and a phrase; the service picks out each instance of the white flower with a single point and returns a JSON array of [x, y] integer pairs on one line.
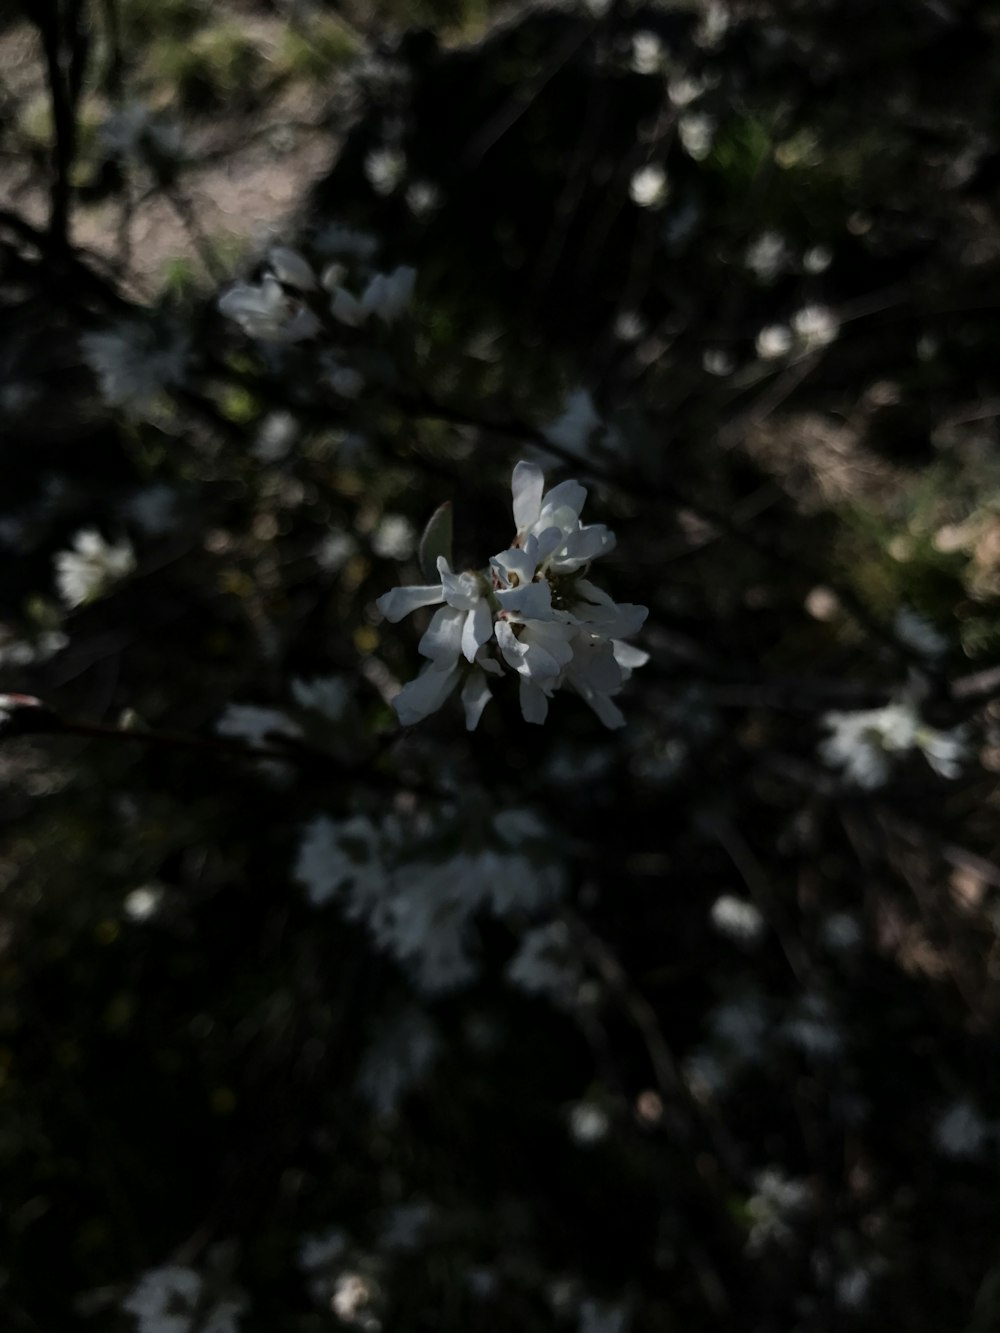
[[327, 695], [696, 132], [535, 613], [544, 963], [815, 325], [737, 918], [386, 296], [290, 268], [778, 1200], [575, 428], [596, 1318], [171, 1300], [401, 1058], [961, 1131], [135, 362], [919, 634], [92, 567], [648, 187], [333, 853], [253, 724], [773, 341], [385, 169], [266, 311], [766, 255], [588, 1123], [647, 52], [862, 743], [394, 538]]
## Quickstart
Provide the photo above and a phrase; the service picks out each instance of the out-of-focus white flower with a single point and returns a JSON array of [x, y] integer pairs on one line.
[[817, 259], [394, 538], [815, 326], [862, 743], [291, 269], [326, 695], [574, 428], [422, 198], [767, 255], [648, 54], [696, 131], [142, 903], [135, 362], [385, 169], [773, 341], [649, 186], [841, 932], [588, 1123], [253, 724], [275, 436], [545, 964], [334, 239], [812, 1028], [597, 1318], [91, 567], [265, 310], [403, 1226], [773, 1208], [386, 297], [335, 550], [400, 1059], [737, 918], [319, 1251], [961, 1131], [919, 634], [718, 361], [684, 90], [172, 1300]]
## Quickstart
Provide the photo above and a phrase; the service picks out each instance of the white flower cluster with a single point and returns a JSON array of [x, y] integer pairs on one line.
[[290, 301], [862, 743], [92, 567], [173, 1300], [136, 362], [533, 611], [420, 911]]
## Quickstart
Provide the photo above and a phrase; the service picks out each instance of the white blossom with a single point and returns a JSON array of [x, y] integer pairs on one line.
[[588, 1123], [737, 918], [767, 255], [648, 186], [400, 1058], [574, 428], [394, 538], [544, 963], [91, 567], [773, 1208], [267, 309], [815, 326], [172, 1299], [534, 613], [385, 169], [648, 54], [773, 341], [862, 743], [386, 297], [962, 1131], [135, 362], [696, 132], [919, 634], [596, 1318]]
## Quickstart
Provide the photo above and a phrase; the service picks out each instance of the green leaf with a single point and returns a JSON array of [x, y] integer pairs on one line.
[[436, 540]]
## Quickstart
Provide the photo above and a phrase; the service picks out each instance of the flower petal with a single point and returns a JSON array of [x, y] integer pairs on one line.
[[477, 630], [475, 697], [442, 641], [534, 704], [530, 601], [526, 486], [400, 602], [424, 695]]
